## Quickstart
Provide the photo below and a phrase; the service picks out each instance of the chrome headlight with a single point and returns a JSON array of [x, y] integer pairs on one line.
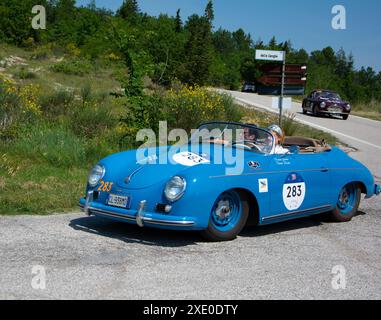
[[348, 107], [175, 188], [322, 105], [95, 175]]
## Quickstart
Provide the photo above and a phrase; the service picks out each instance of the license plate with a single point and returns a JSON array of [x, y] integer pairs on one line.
[[334, 110], [118, 201]]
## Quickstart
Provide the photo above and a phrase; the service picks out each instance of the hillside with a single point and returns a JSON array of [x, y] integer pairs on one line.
[[61, 113]]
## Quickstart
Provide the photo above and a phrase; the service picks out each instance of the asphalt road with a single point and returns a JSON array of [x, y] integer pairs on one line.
[[92, 258]]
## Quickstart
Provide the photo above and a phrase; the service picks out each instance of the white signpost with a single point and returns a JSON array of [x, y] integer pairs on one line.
[[272, 55], [269, 55]]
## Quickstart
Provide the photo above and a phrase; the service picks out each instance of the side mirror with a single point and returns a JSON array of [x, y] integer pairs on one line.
[[294, 149]]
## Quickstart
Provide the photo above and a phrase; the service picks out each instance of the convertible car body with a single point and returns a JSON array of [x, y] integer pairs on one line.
[[196, 190]]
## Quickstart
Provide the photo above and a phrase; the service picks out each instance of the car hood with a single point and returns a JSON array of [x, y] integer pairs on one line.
[[333, 101], [137, 169]]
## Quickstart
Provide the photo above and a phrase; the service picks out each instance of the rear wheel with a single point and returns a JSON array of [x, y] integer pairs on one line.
[[347, 204], [228, 217]]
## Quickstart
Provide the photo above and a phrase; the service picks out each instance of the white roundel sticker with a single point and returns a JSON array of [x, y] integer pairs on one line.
[[189, 159], [294, 191]]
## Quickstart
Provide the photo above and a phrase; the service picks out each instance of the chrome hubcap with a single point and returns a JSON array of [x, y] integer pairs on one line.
[[344, 197], [223, 209]]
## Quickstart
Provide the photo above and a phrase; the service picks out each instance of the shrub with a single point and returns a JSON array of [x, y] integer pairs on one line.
[[142, 112], [113, 57], [86, 93], [72, 49], [24, 74], [18, 105], [232, 112], [41, 53], [189, 106], [182, 107], [290, 126], [90, 119], [73, 67], [56, 103]]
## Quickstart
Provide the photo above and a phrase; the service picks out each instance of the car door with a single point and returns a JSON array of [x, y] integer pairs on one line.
[[298, 184]]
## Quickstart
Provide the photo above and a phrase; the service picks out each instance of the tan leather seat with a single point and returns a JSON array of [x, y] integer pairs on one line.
[[301, 142], [307, 145]]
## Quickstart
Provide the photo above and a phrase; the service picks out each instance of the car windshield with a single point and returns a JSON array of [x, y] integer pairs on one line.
[[329, 95], [236, 135]]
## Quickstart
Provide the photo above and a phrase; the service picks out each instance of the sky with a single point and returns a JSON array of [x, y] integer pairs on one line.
[[307, 23]]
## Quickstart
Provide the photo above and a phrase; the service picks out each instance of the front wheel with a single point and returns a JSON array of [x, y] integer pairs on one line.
[[315, 111], [345, 116], [347, 204], [228, 217], [303, 108]]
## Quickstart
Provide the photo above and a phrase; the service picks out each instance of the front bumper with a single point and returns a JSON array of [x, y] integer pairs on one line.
[[377, 189], [338, 112], [138, 216]]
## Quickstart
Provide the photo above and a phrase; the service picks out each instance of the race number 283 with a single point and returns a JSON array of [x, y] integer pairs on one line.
[[294, 192]]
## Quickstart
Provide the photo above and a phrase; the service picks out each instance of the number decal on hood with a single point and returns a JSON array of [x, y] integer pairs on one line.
[[189, 159]]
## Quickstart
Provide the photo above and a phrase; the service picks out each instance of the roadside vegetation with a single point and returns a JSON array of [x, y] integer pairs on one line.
[[371, 110], [81, 89]]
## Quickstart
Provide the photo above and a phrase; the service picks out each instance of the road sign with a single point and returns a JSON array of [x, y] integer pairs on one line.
[[269, 55], [286, 105], [270, 81]]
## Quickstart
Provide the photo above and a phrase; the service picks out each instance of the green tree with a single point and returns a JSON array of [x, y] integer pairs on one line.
[[129, 11], [197, 54], [209, 12], [243, 42], [273, 45], [178, 21]]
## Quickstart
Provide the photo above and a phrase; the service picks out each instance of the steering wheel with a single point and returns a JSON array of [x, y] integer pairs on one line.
[[247, 145]]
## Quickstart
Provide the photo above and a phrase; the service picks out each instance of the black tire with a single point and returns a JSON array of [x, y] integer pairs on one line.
[[338, 214], [345, 116], [315, 111], [212, 234], [303, 107]]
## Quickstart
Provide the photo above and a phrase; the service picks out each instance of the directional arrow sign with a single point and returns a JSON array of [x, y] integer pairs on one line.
[[269, 55]]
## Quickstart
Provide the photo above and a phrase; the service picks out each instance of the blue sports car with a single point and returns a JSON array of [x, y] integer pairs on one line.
[[225, 178]]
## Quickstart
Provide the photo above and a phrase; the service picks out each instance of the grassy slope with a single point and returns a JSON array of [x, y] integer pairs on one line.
[[32, 185]]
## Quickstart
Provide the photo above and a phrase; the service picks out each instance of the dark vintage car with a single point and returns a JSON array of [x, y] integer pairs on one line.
[[320, 102], [249, 87]]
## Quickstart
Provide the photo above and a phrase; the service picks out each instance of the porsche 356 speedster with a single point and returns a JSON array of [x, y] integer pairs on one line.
[[200, 190]]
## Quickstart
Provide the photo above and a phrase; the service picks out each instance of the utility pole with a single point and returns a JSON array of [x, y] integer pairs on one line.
[[282, 90]]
